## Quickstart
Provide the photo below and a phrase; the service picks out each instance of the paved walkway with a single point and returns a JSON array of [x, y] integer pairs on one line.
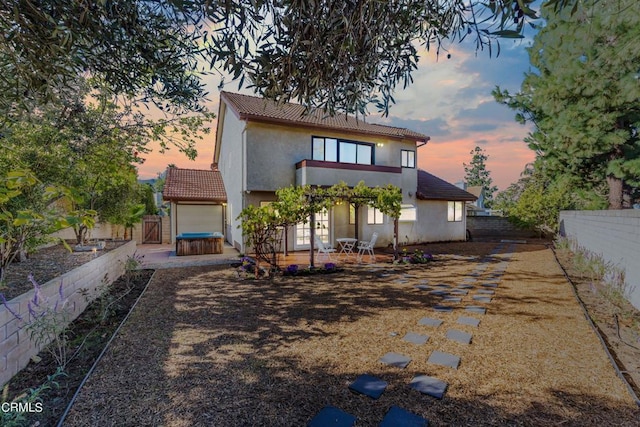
[[164, 256]]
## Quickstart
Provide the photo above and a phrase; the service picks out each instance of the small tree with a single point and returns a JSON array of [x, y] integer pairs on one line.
[[476, 174]]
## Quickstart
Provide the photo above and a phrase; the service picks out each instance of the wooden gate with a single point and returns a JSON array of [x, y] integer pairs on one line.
[[152, 229]]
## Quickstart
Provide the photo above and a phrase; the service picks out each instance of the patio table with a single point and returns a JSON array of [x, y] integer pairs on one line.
[[346, 245]]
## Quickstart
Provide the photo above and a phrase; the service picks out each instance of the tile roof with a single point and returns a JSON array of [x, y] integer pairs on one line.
[[251, 107], [430, 187], [194, 185]]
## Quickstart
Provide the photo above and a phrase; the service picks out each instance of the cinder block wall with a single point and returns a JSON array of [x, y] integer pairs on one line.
[[615, 235], [495, 226], [16, 348]]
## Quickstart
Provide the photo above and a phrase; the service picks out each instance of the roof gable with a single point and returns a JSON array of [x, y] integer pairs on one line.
[[259, 109], [194, 185], [430, 187]]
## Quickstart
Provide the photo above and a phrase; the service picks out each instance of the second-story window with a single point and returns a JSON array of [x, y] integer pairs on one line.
[[408, 159], [343, 151]]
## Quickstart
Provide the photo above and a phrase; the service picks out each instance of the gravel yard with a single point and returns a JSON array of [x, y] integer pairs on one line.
[[206, 348]]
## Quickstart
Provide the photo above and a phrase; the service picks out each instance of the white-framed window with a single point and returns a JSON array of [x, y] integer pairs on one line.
[[408, 213], [352, 213], [455, 211], [408, 159], [374, 216]]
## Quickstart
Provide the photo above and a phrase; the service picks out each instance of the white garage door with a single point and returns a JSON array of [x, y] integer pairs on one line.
[[199, 219]]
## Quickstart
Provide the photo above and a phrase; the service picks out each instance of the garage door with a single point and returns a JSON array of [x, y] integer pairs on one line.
[[199, 219]]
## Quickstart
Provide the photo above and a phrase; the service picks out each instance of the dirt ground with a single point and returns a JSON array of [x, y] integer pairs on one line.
[[206, 348]]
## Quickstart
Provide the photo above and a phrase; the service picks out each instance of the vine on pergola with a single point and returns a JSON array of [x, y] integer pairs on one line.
[[264, 226]]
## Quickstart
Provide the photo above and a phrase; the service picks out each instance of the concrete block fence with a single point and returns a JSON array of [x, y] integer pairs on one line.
[[16, 348], [496, 227], [612, 234]]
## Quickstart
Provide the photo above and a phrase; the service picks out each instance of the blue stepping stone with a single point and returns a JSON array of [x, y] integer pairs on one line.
[[465, 286], [332, 416], [444, 359], [470, 321], [427, 321], [395, 359], [459, 292], [451, 299], [423, 287], [369, 386], [476, 309], [481, 298], [442, 308], [459, 336], [430, 386], [486, 292], [398, 417], [490, 285], [439, 292], [414, 338]]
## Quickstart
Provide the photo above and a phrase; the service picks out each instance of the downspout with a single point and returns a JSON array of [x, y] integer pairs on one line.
[[243, 188]]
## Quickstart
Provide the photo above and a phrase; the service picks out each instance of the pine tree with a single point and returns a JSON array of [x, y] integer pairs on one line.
[[476, 174], [582, 97]]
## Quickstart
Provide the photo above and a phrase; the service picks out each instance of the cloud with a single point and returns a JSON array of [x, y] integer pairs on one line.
[[434, 127]]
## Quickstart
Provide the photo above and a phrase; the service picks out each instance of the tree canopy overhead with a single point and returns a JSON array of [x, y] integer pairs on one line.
[[339, 55], [584, 97]]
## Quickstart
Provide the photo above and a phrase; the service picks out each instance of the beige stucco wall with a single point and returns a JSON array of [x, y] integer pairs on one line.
[[432, 224], [192, 217], [271, 153], [231, 165]]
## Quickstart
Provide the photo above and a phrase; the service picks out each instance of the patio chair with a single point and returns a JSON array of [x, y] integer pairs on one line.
[[367, 247], [324, 249]]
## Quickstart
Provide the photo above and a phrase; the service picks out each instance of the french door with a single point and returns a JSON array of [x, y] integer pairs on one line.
[[303, 231]]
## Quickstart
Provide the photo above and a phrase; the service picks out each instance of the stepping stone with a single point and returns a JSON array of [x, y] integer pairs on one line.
[[423, 287], [429, 385], [469, 279], [481, 298], [470, 321], [459, 292], [476, 309], [465, 286], [486, 292], [332, 416], [490, 285], [414, 338], [459, 336], [427, 321], [442, 308], [452, 299], [369, 386], [444, 359], [439, 292], [442, 285], [395, 359], [400, 281], [398, 417]]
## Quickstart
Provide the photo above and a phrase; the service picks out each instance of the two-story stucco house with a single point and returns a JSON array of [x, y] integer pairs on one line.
[[262, 146]]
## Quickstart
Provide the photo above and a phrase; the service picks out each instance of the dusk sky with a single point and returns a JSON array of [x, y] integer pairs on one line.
[[450, 100]]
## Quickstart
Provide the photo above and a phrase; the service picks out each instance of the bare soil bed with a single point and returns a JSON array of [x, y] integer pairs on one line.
[[206, 348], [86, 337], [46, 264]]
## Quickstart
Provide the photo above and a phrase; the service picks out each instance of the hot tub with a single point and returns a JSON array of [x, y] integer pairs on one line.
[[199, 243]]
